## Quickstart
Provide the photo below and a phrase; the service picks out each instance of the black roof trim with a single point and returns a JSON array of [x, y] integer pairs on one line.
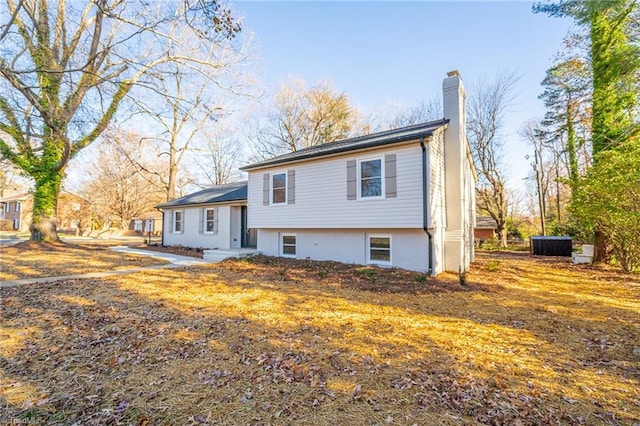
[[236, 191], [352, 144]]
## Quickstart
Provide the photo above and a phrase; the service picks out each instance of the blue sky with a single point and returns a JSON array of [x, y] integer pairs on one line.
[[399, 52]]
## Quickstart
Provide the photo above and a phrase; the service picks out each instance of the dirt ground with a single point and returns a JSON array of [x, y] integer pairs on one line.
[[525, 341]]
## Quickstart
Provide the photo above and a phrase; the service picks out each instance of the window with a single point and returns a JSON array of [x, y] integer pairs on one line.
[[209, 221], [289, 245], [177, 221], [137, 225], [16, 223], [17, 206], [379, 249], [370, 177], [279, 188], [76, 207]]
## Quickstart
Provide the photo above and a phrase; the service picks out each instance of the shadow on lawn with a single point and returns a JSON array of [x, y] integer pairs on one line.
[[222, 343]]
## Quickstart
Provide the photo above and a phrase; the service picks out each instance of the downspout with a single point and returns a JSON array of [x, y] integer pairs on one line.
[[163, 224], [425, 204]]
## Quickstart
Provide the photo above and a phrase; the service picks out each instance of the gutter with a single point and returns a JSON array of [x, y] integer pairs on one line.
[[425, 204]]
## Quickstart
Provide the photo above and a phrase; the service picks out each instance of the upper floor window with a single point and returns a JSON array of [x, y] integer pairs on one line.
[[279, 188], [370, 178], [17, 206]]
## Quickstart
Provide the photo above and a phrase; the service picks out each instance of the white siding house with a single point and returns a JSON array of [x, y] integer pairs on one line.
[[401, 198], [210, 219]]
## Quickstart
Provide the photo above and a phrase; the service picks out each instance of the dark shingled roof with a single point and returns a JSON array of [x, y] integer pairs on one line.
[[236, 191], [388, 137], [486, 222]]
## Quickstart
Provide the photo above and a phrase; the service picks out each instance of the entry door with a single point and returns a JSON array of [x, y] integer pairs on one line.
[[249, 236]]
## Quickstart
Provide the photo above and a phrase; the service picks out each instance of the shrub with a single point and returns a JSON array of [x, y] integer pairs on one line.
[[607, 199], [6, 225]]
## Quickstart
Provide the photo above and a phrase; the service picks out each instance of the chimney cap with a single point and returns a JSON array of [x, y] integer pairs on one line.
[[454, 73]]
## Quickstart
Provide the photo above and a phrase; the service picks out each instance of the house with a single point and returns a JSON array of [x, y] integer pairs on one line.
[[214, 218], [73, 213], [16, 208], [485, 228], [147, 222], [400, 198]]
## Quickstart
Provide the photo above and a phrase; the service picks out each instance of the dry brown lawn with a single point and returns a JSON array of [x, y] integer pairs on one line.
[[35, 260], [526, 341]]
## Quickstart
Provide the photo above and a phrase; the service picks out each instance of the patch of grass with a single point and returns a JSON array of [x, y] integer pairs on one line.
[[492, 266], [539, 341], [367, 273]]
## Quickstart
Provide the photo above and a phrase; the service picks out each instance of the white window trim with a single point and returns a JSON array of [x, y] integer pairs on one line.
[[359, 178], [204, 221], [282, 253], [173, 221], [368, 249], [286, 189], [137, 224]]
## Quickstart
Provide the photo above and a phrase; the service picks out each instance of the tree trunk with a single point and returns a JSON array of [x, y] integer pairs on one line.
[[45, 201], [601, 249], [502, 235]]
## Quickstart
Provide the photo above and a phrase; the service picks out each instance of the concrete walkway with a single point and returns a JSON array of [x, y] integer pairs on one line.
[[175, 261]]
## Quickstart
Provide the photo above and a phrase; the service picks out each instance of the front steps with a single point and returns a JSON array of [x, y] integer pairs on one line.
[[216, 255]]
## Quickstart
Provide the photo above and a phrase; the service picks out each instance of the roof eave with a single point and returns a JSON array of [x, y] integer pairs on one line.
[[337, 151]]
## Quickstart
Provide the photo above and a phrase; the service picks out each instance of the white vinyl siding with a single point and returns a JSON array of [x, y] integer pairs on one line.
[[321, 195], [194, 225]]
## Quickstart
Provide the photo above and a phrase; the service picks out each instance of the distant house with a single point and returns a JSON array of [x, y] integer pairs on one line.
[[147, 222], [214, 218], [73, 213], [400, 198], [485, 228]]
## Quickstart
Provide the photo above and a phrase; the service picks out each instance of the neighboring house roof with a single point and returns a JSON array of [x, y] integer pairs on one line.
[[372, 140], [217, 194], [153, 214], [26, 196], [485, 222], [18, 197]]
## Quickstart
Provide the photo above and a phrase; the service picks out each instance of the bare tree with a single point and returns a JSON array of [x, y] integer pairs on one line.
[[488, 102], [65, 68], [303, 118], [117, 188], [424, 111], [218, 160]]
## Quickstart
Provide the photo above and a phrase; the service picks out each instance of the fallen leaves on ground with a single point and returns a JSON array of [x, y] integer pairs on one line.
[[30, 259], [276, 341]]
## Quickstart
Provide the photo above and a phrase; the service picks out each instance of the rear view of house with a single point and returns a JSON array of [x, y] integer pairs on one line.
[[401, 198]]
